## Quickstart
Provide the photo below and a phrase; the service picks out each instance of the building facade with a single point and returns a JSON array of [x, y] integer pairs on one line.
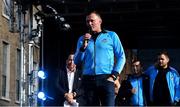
[[14, 86]]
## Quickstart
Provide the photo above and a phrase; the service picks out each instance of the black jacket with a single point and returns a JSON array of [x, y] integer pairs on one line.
[[62, 86]]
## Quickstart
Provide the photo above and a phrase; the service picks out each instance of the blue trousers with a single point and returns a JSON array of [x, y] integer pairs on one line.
[[98, 90]]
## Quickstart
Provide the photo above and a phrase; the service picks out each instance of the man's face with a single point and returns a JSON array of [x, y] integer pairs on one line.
[[136, 67], [94, 22], [163, 61], [70, 62]]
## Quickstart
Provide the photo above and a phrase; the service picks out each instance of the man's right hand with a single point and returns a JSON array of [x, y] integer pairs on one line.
[[69, 97], [134, 90], [87, 36]]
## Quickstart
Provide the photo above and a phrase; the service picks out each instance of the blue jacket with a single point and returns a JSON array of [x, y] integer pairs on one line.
[[98, 58], [172, 78], [137, 98]]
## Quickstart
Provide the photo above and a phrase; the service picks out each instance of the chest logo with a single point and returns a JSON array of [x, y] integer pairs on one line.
[[104, 40]]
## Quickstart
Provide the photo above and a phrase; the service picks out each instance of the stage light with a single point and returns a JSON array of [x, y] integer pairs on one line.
[[42, 96], [66, 25], [60, 19], [41, 74]]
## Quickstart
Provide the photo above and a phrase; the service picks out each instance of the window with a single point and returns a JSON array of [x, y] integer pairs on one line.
[[6, 8], [5, 70], [10, 10], [18, 73]]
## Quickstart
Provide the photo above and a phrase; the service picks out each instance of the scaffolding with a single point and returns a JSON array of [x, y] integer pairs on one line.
[[21, 21], [27, 19]]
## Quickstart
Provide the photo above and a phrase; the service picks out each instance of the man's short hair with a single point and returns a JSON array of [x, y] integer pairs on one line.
[[164, 52]]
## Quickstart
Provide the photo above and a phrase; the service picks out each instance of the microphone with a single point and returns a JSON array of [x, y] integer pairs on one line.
[[86, 40], [84, 45], [87, 36]]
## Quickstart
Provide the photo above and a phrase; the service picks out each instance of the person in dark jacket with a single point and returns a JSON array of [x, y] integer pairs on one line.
[[124, 94], [69, 84]]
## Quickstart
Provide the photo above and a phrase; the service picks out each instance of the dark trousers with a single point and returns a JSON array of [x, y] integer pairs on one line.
[[98, 90]]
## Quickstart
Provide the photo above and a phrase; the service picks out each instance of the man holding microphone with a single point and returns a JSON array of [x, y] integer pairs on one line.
[[102, 57]]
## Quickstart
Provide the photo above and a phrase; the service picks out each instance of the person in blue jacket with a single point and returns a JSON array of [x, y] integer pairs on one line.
[[164, 82], [133, 91], [102, 57], [139, 84]]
